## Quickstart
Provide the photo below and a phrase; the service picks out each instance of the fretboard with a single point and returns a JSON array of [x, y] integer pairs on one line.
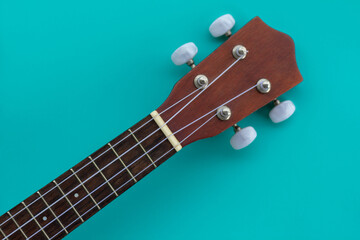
[[68, 201]]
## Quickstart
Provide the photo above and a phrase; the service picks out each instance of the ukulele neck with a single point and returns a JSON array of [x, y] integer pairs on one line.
[[72, 198]]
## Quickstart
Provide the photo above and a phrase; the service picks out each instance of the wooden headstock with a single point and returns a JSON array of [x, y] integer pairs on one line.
[[271, 55]]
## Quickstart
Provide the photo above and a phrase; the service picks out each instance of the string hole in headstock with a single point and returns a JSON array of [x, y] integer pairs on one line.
[[201, 81], [223, 113], [263, 85], [239, 52]]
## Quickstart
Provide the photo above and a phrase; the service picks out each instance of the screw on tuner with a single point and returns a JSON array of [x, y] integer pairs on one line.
[[185, 54]]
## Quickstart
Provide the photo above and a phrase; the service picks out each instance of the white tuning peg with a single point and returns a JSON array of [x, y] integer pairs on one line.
[[243, 137], [281, 111], [222, 26], [185, 54]]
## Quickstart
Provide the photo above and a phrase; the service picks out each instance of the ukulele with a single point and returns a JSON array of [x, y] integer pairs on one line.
[[252, 68]]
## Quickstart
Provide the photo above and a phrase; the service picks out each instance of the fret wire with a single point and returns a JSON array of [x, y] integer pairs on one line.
[[67, 199], [166, 152], [126, 167], [1, 231], [94, 189], [148, 165], [175, 133], [57, 219], [130, 149], [17, 224], [194, 98], [101, 184], [100, 156], [102, 174], [142, 147], [114, 146], [87, 191], [139, 172], [28, 210], [182, 99], [149, 151], [121, 186], [119, 173]]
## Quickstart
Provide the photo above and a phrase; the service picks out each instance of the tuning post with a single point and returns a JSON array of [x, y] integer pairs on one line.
[[201, 81], [223, 113], [239, 51], [191, 63], [236, 128], [263, 85]]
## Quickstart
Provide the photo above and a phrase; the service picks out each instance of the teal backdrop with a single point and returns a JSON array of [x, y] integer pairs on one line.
[[75, 74]]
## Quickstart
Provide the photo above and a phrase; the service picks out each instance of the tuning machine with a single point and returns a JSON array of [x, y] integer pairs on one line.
[[281, 111], [242, 137], [185, 54], [222, 26]]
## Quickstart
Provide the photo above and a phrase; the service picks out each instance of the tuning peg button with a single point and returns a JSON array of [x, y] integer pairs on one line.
[[185, 54], [222, 26], [243, 137], [282, 111]]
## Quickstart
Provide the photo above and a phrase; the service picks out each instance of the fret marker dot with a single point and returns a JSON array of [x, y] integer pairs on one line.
[[44, 218], [76, 195]]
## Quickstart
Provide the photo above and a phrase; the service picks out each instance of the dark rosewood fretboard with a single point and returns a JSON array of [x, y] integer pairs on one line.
[[69, 200], [72, 198]]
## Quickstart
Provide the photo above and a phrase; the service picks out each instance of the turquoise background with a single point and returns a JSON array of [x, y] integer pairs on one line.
[[75, 74]]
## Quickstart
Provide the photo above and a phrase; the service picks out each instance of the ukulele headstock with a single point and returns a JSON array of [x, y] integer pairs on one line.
[[238, 75]]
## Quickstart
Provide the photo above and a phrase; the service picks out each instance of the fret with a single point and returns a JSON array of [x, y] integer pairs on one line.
[[87, 191], [60, 206], [132, 154], [17, 225], [67, 199], [150, 143], [52, 212], [95, 184], [122, 162], [24, 223], [102, 174], [42, 218], [9, 227], [72, 198], [35, 220], [77, 195], [3, 234], [4, 219], [132, 133], [111, 167]]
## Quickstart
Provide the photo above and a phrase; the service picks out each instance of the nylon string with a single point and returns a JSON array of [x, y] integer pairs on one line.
[[72, 174], [121, 185], [137, 160], [137, 143]]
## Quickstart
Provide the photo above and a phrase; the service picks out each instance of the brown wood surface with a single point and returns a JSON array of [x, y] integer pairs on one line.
[[271, 55], [67, 211]]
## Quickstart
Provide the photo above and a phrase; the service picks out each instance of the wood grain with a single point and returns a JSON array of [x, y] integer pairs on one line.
[[72, 198], [82, 191], [271, 55]]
